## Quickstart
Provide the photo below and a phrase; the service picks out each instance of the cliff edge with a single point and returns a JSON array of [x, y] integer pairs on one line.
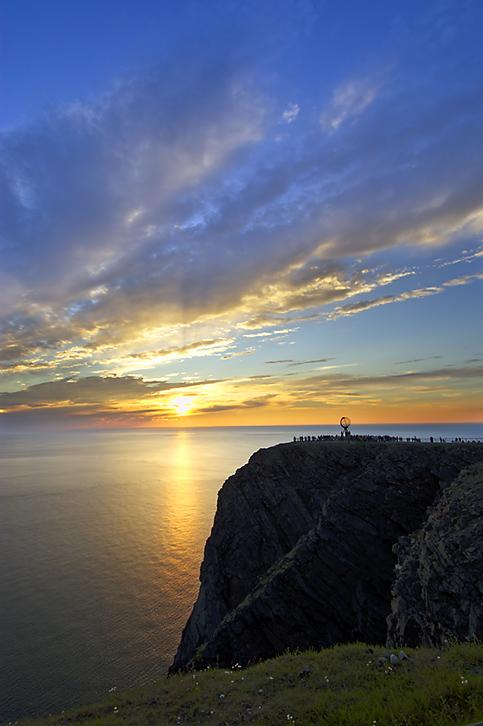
[[310, 543]]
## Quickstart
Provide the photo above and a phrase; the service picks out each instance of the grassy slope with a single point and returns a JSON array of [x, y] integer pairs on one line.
[[345, 687]]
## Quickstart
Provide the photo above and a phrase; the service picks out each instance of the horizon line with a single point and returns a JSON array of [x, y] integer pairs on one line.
[[244, 426]]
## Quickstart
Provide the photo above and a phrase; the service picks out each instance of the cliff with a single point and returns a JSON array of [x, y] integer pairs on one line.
[[438, 589], [301, 553]]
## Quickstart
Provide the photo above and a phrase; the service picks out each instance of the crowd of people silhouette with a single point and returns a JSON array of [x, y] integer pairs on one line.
[[346, 435]]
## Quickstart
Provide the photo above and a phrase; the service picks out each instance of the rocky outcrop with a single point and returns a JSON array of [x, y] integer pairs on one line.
[[438, 591], [301, 550]]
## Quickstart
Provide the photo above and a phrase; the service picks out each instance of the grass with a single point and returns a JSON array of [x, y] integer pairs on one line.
[[342, 686]]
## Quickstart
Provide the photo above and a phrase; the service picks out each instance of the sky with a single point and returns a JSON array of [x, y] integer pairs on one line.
[[240, 212]]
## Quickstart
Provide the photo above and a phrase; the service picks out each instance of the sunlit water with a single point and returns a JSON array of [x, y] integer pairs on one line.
[[101, 538]]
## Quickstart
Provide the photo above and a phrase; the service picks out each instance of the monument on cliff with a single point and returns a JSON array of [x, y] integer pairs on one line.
[[345, 422]]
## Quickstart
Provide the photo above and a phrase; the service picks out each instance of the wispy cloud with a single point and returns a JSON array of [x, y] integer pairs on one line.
[[340, 381], [418, 360], [463, 280], [238, 353], [345, 311], [309, 362], [465, 257], [196, 349], [363, 305], [250, 403], [270, 333], [348, 101]]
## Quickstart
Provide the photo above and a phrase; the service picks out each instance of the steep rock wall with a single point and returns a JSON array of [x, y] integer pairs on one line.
[[438, 590], [301, 550]]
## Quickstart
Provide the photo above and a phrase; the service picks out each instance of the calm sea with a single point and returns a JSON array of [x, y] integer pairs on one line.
[[101, 538]]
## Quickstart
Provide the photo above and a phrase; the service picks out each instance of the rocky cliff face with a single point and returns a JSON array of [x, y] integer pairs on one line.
[[438, 590], [301, 550]]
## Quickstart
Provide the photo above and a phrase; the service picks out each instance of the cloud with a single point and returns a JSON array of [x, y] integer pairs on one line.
[[418, 360], [307, 362], [466, 256], [196, 349], [250, 403], [268, 320], [291, 112], [463, 280], [167, 202], [348, 101], [270, 333], [95, 391], [313, 284], [382, 391], [359, 307], [238, 353], [102, 190], [340, 381], [345, 311]]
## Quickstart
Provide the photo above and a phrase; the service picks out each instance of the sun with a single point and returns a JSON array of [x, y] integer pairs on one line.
[[182, 405]]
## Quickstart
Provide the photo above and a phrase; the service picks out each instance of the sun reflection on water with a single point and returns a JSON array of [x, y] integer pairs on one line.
[[182, 502]]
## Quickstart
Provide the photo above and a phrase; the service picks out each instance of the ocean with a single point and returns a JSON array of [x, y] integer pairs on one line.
[[101, 540]]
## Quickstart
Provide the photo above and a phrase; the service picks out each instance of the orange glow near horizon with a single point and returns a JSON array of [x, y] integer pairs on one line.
[[183, 416], [300, 418], [278, 399]]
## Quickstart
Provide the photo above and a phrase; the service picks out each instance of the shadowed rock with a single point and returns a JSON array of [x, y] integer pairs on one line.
[[438, 591], [301, 551]]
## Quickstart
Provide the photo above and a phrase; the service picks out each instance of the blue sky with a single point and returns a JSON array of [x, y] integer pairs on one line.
[[190, 191]]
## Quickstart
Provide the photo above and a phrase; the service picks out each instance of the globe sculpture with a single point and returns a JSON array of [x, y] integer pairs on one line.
[[345, 422]]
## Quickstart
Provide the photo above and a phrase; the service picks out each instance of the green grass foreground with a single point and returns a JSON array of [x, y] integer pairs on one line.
[[341, 686]]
